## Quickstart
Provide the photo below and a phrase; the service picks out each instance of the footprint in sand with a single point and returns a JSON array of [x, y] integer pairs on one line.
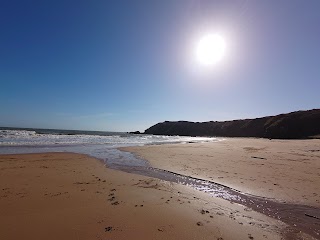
[[204, 211], [108, 229]]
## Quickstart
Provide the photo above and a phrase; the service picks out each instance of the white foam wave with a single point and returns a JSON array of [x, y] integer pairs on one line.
[[31, 138]]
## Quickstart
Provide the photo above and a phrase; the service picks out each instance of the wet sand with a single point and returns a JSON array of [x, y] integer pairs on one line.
[[73, 196], [286, 170]]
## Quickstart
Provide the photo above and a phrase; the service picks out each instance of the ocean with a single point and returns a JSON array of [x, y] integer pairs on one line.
[[98, 144]]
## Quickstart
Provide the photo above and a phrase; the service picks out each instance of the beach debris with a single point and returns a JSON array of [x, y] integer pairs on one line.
[[115, 203], [112, 190], [308, 215], [199, 223], [250, 236], [258, 157], [160, 229], [108, 229]]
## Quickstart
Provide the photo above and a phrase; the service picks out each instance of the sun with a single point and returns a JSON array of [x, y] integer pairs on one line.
[[210, 49]]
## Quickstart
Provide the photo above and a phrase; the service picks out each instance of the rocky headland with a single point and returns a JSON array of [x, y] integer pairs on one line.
[[294, 125]]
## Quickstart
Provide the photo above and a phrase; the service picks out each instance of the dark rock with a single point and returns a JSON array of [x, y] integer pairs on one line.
[[135, 132]]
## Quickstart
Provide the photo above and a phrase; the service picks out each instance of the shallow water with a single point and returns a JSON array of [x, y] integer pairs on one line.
[[299, 217]]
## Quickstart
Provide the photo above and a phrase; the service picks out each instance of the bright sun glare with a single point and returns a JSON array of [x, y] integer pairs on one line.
[[210, 49]]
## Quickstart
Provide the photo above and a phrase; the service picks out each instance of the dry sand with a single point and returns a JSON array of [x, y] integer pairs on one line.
[[72, 196], [287, 170]]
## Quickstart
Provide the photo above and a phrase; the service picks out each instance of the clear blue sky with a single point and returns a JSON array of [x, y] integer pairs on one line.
[[126, 65]]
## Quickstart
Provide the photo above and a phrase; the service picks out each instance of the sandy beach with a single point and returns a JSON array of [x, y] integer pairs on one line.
[[160, 120], [286, 170], [73, 196]]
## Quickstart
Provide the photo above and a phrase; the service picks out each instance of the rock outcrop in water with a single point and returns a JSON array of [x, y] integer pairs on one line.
[[295, 125], [135, 132]]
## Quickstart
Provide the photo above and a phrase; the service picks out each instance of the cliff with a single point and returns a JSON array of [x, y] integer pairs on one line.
[[294, 125]]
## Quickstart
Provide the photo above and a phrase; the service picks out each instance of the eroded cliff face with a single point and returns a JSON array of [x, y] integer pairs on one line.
[[295, 125]]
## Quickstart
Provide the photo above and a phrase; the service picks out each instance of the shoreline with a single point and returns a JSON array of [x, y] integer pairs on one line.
[[284, 170], [73, 196]]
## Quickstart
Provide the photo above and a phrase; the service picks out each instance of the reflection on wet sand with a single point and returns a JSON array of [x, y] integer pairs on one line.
[[300, 217]]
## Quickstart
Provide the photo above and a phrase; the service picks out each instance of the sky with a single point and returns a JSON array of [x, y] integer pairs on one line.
[[126, 65]]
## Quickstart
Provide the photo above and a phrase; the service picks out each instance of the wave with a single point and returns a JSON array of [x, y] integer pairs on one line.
[[56, 137]]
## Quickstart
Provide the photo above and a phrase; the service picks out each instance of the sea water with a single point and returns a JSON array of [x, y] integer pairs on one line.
[[98, 144]]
